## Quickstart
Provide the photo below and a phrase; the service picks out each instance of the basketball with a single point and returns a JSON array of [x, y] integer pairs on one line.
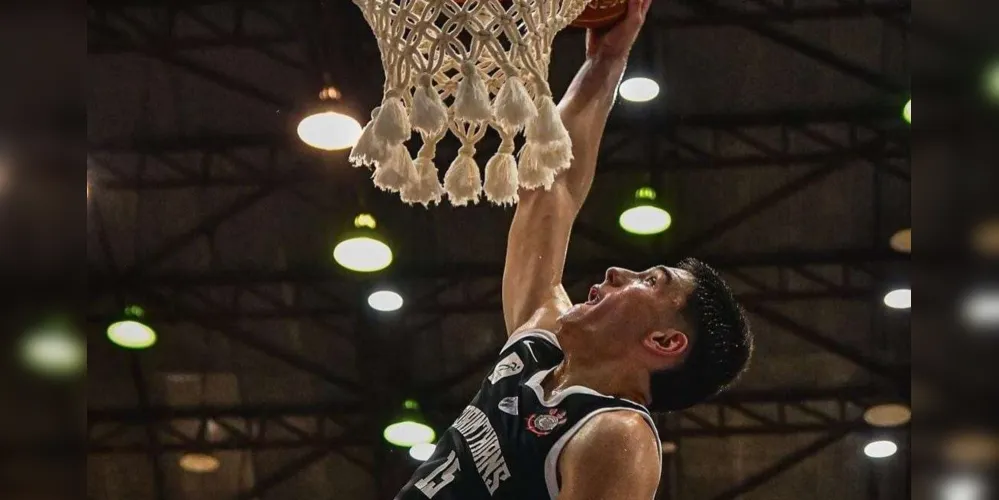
[[601, 13]]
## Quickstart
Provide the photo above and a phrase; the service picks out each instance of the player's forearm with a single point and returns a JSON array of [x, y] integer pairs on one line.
[[584, 111]]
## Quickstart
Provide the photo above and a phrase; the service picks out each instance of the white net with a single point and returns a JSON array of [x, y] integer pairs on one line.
[[464, 67]]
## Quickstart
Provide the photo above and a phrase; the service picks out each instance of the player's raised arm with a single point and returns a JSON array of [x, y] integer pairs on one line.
[[539, 235]]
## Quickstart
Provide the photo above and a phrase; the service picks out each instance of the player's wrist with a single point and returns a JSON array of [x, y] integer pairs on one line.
[[608, 57]]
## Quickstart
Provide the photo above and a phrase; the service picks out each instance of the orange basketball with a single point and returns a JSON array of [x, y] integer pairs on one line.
[[601, 13]]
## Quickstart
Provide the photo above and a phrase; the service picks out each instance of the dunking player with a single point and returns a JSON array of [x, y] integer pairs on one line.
[[561, 414]]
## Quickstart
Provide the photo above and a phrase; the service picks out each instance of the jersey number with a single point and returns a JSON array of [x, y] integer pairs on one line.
[[446, 472]]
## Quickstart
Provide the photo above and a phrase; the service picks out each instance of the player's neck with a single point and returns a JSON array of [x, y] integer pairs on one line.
[[605, 377]]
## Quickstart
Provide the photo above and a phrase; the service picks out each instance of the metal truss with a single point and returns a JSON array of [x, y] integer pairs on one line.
[[785, 11], [115, 27], [258, 427], [761, 412], [258, 293], [708, 141], [151, 33], [218, 301], [768, 29], [143, 27]]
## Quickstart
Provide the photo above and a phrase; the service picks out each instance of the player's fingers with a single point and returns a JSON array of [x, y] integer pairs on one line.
[[636, 9]]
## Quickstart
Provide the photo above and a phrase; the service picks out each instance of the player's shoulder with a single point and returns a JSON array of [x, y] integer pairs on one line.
[[612, 445], [625, 429]]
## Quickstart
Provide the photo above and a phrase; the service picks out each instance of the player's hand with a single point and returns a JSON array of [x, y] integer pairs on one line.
[[617, 40]]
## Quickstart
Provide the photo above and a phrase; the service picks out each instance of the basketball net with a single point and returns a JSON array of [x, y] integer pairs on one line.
[[463, 67]]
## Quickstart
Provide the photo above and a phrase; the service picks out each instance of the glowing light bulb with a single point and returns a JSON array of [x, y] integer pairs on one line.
[[53, 351], [422, 451], [131, 334], [880, 449], [408, 433], [639, 89], [363, 254], [385, 301], [329, 131], [199, 463], [899, 299]]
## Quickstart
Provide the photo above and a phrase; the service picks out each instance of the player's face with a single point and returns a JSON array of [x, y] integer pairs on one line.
[[634, 302]]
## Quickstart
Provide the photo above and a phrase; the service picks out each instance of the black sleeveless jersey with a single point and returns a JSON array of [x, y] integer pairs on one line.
[[506, 443]]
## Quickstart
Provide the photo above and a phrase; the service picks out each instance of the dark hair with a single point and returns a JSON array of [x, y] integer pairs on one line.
[[721, 346]]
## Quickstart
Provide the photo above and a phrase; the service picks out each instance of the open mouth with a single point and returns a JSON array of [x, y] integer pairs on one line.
[[594, 296]]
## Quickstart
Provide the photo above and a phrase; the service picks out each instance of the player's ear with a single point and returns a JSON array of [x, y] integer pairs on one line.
[[667, 343]]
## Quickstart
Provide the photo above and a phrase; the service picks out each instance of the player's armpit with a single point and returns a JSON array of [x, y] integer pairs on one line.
[[613, 457]]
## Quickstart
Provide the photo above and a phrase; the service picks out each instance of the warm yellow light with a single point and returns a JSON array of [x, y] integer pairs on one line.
[[639, 89], [887, 415], [363, 254], [645, 220], [199, 463], [329, 131], [901, 241]]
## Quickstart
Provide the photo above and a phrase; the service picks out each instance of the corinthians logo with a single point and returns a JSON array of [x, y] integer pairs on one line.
[[543, 424]]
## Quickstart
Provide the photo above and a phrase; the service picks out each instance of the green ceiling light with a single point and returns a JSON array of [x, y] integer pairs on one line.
[[644, 217], [54, 349], [362, 250], [409, 429], [131, 332], [907, 112], [992, 82]]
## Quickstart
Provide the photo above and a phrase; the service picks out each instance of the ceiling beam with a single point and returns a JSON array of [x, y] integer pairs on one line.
[[783, 465], [102, 282], [767, 30]]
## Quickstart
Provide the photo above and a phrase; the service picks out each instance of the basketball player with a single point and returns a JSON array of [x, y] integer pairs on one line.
[[561, 415]]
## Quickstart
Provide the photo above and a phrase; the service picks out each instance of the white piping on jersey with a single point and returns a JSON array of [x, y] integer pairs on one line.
[[535, 384], [544, 334], [535, 381], [551, 461]]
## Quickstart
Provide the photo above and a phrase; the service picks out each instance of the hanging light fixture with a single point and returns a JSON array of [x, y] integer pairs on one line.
[[644, 217], [901, 241], [54, 349], [409, 429], [639, 89], [880, 449], [362, 249], [887, 415], [329, 128], [899, 298], [992, 81], [423, 451], [907, 112], [131, 332], [385, 301], [199, 463]]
